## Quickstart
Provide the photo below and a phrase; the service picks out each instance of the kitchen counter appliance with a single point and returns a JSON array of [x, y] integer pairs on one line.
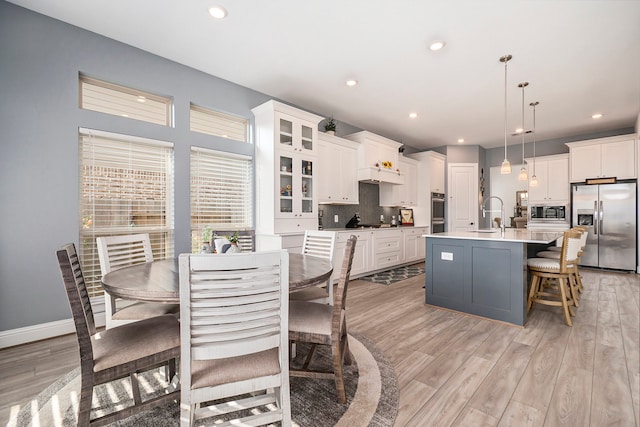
[[608, 210]]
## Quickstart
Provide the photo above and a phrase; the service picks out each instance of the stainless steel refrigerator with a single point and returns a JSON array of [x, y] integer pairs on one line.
[[609, 213]]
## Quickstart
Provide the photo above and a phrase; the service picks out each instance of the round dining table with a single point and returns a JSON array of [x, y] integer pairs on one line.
[[159, 281]]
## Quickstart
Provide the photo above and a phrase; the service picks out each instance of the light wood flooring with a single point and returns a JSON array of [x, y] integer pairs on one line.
[[455, 369]]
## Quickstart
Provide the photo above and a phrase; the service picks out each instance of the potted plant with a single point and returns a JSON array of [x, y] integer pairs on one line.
[[330, 126], [207, 236], [233, 239]]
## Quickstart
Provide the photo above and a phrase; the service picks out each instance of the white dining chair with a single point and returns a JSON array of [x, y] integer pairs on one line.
[[318, 243], [234, 337], [117, 252]]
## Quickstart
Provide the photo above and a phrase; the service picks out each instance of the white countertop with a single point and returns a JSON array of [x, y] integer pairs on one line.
[[522, 235]]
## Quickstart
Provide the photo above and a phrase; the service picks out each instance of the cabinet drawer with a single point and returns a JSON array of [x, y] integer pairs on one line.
[[387, 259], [387, 244]]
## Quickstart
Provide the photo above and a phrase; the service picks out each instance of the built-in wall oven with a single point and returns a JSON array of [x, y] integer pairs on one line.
[[437, 213]]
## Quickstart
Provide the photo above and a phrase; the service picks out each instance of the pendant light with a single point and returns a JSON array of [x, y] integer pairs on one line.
[[534, 178], [505, 169], [523, 176]]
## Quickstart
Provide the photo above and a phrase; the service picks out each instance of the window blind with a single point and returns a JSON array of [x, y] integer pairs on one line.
[[126, 187], [221, 193], [216, 123], [122, 101]]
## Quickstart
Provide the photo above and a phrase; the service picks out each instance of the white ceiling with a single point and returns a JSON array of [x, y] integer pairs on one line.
[[580, 57]]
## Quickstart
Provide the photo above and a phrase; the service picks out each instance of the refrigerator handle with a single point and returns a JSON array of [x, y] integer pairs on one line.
[[596, 217], [601, 218]]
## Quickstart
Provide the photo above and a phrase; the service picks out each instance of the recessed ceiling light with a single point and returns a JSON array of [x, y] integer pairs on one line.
[[413, 115], [218, 12], [461, 140], [596, 116], [437, 45], [352, 82]]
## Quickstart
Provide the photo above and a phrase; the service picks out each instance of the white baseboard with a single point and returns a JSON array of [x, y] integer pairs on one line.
[[45, 330]]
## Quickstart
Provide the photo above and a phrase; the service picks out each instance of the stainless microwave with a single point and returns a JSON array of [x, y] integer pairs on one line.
[[548, 213]]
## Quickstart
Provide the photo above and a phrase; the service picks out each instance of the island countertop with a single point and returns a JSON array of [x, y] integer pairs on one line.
[[520, 235]]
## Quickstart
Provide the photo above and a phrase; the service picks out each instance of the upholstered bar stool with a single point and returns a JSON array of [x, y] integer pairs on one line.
[[562, 271], [554, 253]]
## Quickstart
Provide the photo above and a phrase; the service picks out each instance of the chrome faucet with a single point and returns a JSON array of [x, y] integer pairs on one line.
[[484, 211]]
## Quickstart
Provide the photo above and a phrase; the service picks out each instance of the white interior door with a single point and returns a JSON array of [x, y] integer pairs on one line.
[[463, 196]]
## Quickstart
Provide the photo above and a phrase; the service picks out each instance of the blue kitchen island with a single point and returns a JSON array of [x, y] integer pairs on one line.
[[482, 272]]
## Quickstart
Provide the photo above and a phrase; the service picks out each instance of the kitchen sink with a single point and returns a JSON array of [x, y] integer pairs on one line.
[[487, 230]]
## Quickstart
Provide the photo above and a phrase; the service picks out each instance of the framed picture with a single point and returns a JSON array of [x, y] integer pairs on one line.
[[406, 216]]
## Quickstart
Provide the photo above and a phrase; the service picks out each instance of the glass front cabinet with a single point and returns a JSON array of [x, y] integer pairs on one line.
[[285, 147]]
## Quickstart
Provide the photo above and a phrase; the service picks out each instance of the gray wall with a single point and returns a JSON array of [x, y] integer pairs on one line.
[[40, 59]]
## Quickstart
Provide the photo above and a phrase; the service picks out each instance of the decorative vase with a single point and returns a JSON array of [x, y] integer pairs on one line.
[[234, 249], [206, 248], [331, 132]]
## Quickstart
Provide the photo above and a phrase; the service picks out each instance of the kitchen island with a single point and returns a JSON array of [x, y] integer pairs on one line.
[[482, 272]]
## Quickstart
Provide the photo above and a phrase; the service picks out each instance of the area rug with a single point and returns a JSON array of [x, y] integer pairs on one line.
[[395, 275], [371, 388]]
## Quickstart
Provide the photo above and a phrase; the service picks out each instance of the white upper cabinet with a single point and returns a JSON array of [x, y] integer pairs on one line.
[[553, 179], [337, 182], [436, 173], [286, 139], [401, 194], [613, 157]]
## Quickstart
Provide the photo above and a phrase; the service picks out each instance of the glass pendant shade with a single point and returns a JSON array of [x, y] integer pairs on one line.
[[534, 181], [506, 167], [523, 175]]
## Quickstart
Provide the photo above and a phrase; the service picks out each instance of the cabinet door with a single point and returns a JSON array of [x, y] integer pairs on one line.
[[557, 180], [410, 187], [436, 175], [295, 135], [619, 159], [585, 162], [348, 175], [326, 181], [295, 198]]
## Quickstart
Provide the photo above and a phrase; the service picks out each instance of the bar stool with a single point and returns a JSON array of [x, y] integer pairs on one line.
[[562, 271], [554, 253]]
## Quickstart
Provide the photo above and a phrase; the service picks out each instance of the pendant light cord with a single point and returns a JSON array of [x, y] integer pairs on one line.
[[505, 109]]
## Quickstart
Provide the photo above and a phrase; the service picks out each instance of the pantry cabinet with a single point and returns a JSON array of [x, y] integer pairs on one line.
[[337, 181], [613, 157], [286, 146], [553, 180]]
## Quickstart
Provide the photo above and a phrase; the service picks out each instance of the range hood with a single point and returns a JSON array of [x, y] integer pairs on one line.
[[377, 175], [374, 153]]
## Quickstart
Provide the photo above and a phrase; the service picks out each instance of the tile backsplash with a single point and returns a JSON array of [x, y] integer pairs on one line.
[[369, 209]]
